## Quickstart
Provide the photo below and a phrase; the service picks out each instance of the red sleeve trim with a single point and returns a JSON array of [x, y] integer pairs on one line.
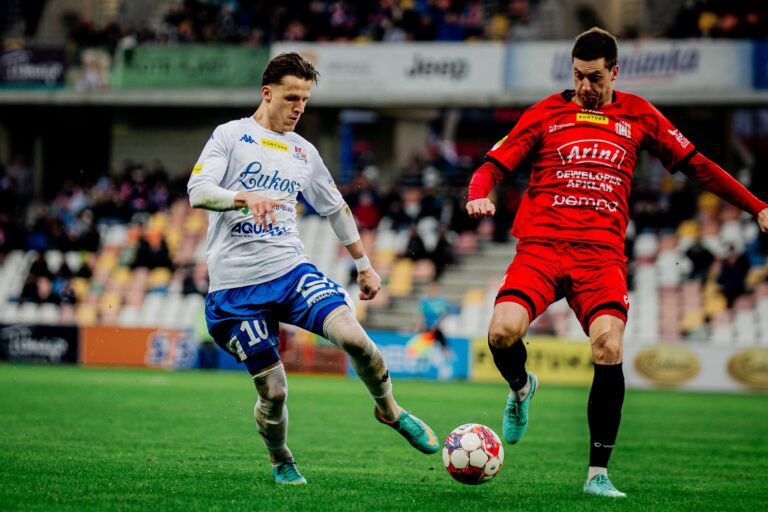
[[711, 177], [483, 180]]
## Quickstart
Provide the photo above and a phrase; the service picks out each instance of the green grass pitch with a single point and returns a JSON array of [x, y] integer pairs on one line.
[[75, 439]]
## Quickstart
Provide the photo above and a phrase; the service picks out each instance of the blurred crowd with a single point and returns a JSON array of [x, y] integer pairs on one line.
[[720, 19]]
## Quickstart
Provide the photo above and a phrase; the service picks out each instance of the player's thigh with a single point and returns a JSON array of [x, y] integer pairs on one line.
[[598, 288], [245, 327], [312, 297], [531, 281]]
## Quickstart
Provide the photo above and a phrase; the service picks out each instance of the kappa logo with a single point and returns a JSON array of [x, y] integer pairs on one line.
[[592, 151], [247, 138], [679, 137]]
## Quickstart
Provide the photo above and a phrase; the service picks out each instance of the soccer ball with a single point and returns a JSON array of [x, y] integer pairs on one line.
[[473, 454]]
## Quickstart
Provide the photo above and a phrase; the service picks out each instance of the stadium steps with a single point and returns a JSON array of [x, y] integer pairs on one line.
[[479, 270]]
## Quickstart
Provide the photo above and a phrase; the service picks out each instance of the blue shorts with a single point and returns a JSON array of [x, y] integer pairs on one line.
[[244, 321]]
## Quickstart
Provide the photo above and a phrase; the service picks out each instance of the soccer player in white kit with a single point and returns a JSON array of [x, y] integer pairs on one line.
[[249, 175]]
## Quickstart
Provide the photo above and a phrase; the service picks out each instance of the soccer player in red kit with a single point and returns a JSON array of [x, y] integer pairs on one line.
[[583, 146]]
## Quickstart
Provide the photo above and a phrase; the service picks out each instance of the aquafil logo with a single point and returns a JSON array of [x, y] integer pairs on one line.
[[253, 178], [592, 151]]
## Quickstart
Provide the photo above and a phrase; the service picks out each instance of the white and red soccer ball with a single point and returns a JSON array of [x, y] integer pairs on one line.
[[473, 454]]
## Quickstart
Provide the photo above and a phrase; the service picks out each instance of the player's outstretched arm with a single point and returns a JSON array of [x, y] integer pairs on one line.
[[762, 220], [711, 177]]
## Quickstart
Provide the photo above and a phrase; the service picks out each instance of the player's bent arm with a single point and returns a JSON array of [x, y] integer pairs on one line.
[[212, 197], [344, 226], [484, 179]]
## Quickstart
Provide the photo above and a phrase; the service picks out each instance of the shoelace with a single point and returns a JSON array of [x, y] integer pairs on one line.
[[603, 480]]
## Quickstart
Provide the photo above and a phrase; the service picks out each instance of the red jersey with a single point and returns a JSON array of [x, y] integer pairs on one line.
[[583, 163]]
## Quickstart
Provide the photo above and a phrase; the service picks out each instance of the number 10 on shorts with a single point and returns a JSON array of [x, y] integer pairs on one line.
[[252, 333]]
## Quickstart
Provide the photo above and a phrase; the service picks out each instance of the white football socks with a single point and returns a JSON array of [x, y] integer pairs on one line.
[[519, 396], [594, 471]]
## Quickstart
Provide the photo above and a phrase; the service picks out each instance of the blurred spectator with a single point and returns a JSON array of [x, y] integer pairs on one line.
[[152, 252], [732, 275], [434, 307], [701, 260], [442, 255], [415, 248]]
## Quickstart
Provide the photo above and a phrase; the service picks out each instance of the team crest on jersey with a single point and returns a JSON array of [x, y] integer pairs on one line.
[[276, 145], [679, 137], [624, 129], [591, 118], [592, 151], [495, 146], [299, 153]]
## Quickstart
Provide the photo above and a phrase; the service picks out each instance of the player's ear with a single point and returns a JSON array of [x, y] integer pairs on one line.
[[266, 93], [614, 72]]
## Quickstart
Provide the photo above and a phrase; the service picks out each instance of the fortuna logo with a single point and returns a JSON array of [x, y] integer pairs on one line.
[[247, 138], [624, 129], [276, 145], [680, 138], [592, 118], [252, 178], [299, 153], [592, 151]]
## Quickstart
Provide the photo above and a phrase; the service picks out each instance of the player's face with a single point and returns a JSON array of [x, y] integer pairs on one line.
[[593, 82], [286, 102]]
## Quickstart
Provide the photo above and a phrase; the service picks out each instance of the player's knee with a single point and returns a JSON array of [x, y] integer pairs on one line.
[[503, 334], [606, 347]]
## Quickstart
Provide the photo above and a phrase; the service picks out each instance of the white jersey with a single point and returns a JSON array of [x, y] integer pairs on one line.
[[243, 155]]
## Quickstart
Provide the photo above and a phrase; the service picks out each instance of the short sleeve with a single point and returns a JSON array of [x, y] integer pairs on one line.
[[321, 192], [213, 161], [666, 142], [515, 146]]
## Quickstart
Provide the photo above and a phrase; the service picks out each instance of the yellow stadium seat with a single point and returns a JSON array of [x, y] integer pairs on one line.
[[157, 222], [688, 229], [159, 277], [87, 314], [473, 296], [401, 278], [80, 286]]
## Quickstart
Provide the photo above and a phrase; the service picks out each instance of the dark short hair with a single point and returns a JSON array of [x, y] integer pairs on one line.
[[594, 44], [288, 64]]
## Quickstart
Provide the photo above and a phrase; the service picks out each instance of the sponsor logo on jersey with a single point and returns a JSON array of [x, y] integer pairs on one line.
[[556, 127], [679, 137], [299, 153], [253, 178], [247, 138], [624, 129], [592, 151], [276, 145], [247, 229], [591, 118], [597, 204], [498, 144], [197, 169]]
